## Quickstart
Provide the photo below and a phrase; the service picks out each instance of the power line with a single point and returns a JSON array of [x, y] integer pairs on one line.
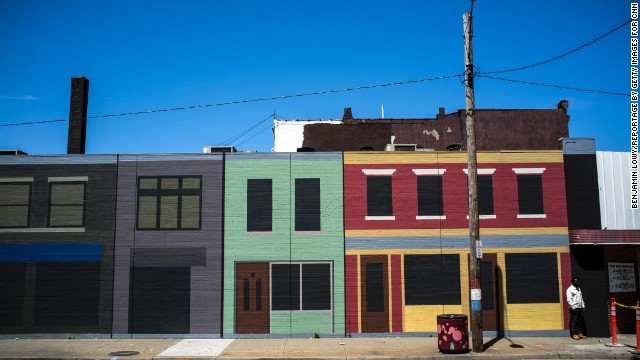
[[34, 122], [559, 56], [555, 86], [241, 134], [254, 100]]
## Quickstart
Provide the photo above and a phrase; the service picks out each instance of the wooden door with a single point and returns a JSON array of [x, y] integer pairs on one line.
[[374, 284], [252, 298]]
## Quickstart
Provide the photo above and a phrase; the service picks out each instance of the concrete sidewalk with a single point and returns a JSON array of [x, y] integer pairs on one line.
[[326, 348]]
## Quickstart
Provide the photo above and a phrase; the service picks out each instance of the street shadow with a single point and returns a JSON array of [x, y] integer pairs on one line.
[[499, 337]]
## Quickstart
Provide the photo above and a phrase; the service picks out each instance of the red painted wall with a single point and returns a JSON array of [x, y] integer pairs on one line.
[[455, 199]]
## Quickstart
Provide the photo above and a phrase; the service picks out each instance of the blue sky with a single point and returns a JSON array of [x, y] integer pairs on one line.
[[147, 55]]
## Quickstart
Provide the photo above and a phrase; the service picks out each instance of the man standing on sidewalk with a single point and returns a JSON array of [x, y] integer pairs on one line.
[[576, 307]]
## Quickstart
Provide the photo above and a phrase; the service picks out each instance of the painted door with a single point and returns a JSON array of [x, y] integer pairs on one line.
[[252, 298], [374, 282], [489, 282]]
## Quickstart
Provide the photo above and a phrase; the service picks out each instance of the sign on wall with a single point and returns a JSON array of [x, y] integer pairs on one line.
[[622, 277]]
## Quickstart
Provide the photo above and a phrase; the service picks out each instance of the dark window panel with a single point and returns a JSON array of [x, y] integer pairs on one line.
[[375, 287], [485, 195], [379, 196], [432, 279], [259, 205], [307, 205], [486, 283], [285, 287], [316, 287], [532, 278], [530, 200], [430, 196]]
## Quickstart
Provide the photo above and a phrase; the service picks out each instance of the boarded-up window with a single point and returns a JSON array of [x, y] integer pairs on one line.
[[66, 204], [379, 196], [430, 196], [172, 202], [374, 273], [14, 204], [301, 286], [259, 204], [307, 204], [432, 279], [532, 278], [530, 199]]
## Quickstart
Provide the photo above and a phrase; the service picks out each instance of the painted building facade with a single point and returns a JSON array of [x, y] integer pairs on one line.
[[406, 240], [278, 244], [168, 245], [57, 221], [284, 244]]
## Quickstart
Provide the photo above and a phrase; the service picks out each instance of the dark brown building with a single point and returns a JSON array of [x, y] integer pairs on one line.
[[496, 129]]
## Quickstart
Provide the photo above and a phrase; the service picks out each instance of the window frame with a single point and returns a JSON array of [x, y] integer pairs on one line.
[[483, 172], [386, 173], [158, 193], [530, 172], [19, 182], [256, 229], [71, 181], [424, 173], [301, 265], [307, 215]]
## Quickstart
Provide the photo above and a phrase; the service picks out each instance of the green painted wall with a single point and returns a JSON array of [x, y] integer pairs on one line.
[[283, 243]]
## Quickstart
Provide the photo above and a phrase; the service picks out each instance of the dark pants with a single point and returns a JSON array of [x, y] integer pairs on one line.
[[576, 322]]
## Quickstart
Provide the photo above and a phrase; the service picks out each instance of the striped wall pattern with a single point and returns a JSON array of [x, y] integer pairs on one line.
[[275, 244]]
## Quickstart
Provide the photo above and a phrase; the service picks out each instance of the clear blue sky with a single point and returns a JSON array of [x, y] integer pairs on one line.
[[146, 55]]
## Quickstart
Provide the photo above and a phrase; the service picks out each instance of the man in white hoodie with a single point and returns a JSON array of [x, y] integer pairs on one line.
[[576, 307]]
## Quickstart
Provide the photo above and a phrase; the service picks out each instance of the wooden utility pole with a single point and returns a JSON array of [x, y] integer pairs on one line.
[[474, 226]]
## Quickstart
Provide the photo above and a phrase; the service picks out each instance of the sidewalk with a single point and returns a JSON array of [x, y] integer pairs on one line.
[[328, 348]]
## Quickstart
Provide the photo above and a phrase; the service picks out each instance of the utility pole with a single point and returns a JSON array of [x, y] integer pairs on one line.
[[474, 225]]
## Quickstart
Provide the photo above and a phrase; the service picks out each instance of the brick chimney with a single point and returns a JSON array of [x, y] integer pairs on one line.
[[78, 115], [347, 116]]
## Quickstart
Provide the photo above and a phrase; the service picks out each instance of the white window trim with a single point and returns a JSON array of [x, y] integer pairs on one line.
[[16, 179], [485, 217], [529, 171], [481, 171], [68, 178], [532, 216], [378, 172], [427, 172], [431, 217], [379, 217]]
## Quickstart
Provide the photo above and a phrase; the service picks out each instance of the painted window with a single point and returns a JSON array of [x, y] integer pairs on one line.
[[307, 204], [169, 202], [432, 279], [530, 195], [66, 203], [429, 194], [259, 205], [14, 204], [379, 194], [532, 278], [485, 195], [300, 286]]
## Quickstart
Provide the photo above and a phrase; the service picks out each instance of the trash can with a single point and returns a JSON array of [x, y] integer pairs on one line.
[[453, 336]]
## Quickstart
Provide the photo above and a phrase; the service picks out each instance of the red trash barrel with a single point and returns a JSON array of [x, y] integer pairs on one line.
[[453, 336]]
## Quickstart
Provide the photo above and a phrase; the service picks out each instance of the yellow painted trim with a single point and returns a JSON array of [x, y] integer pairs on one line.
[[359, 282], [464, 251], [424, 318], [457, 232], [502, 296], [390, 292], [445, 157], [403, 293], [560, 289], [464, 284]]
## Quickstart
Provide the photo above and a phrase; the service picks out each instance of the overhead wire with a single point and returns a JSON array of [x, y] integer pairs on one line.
[[554, 86], [559, 56], [257, 99]]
